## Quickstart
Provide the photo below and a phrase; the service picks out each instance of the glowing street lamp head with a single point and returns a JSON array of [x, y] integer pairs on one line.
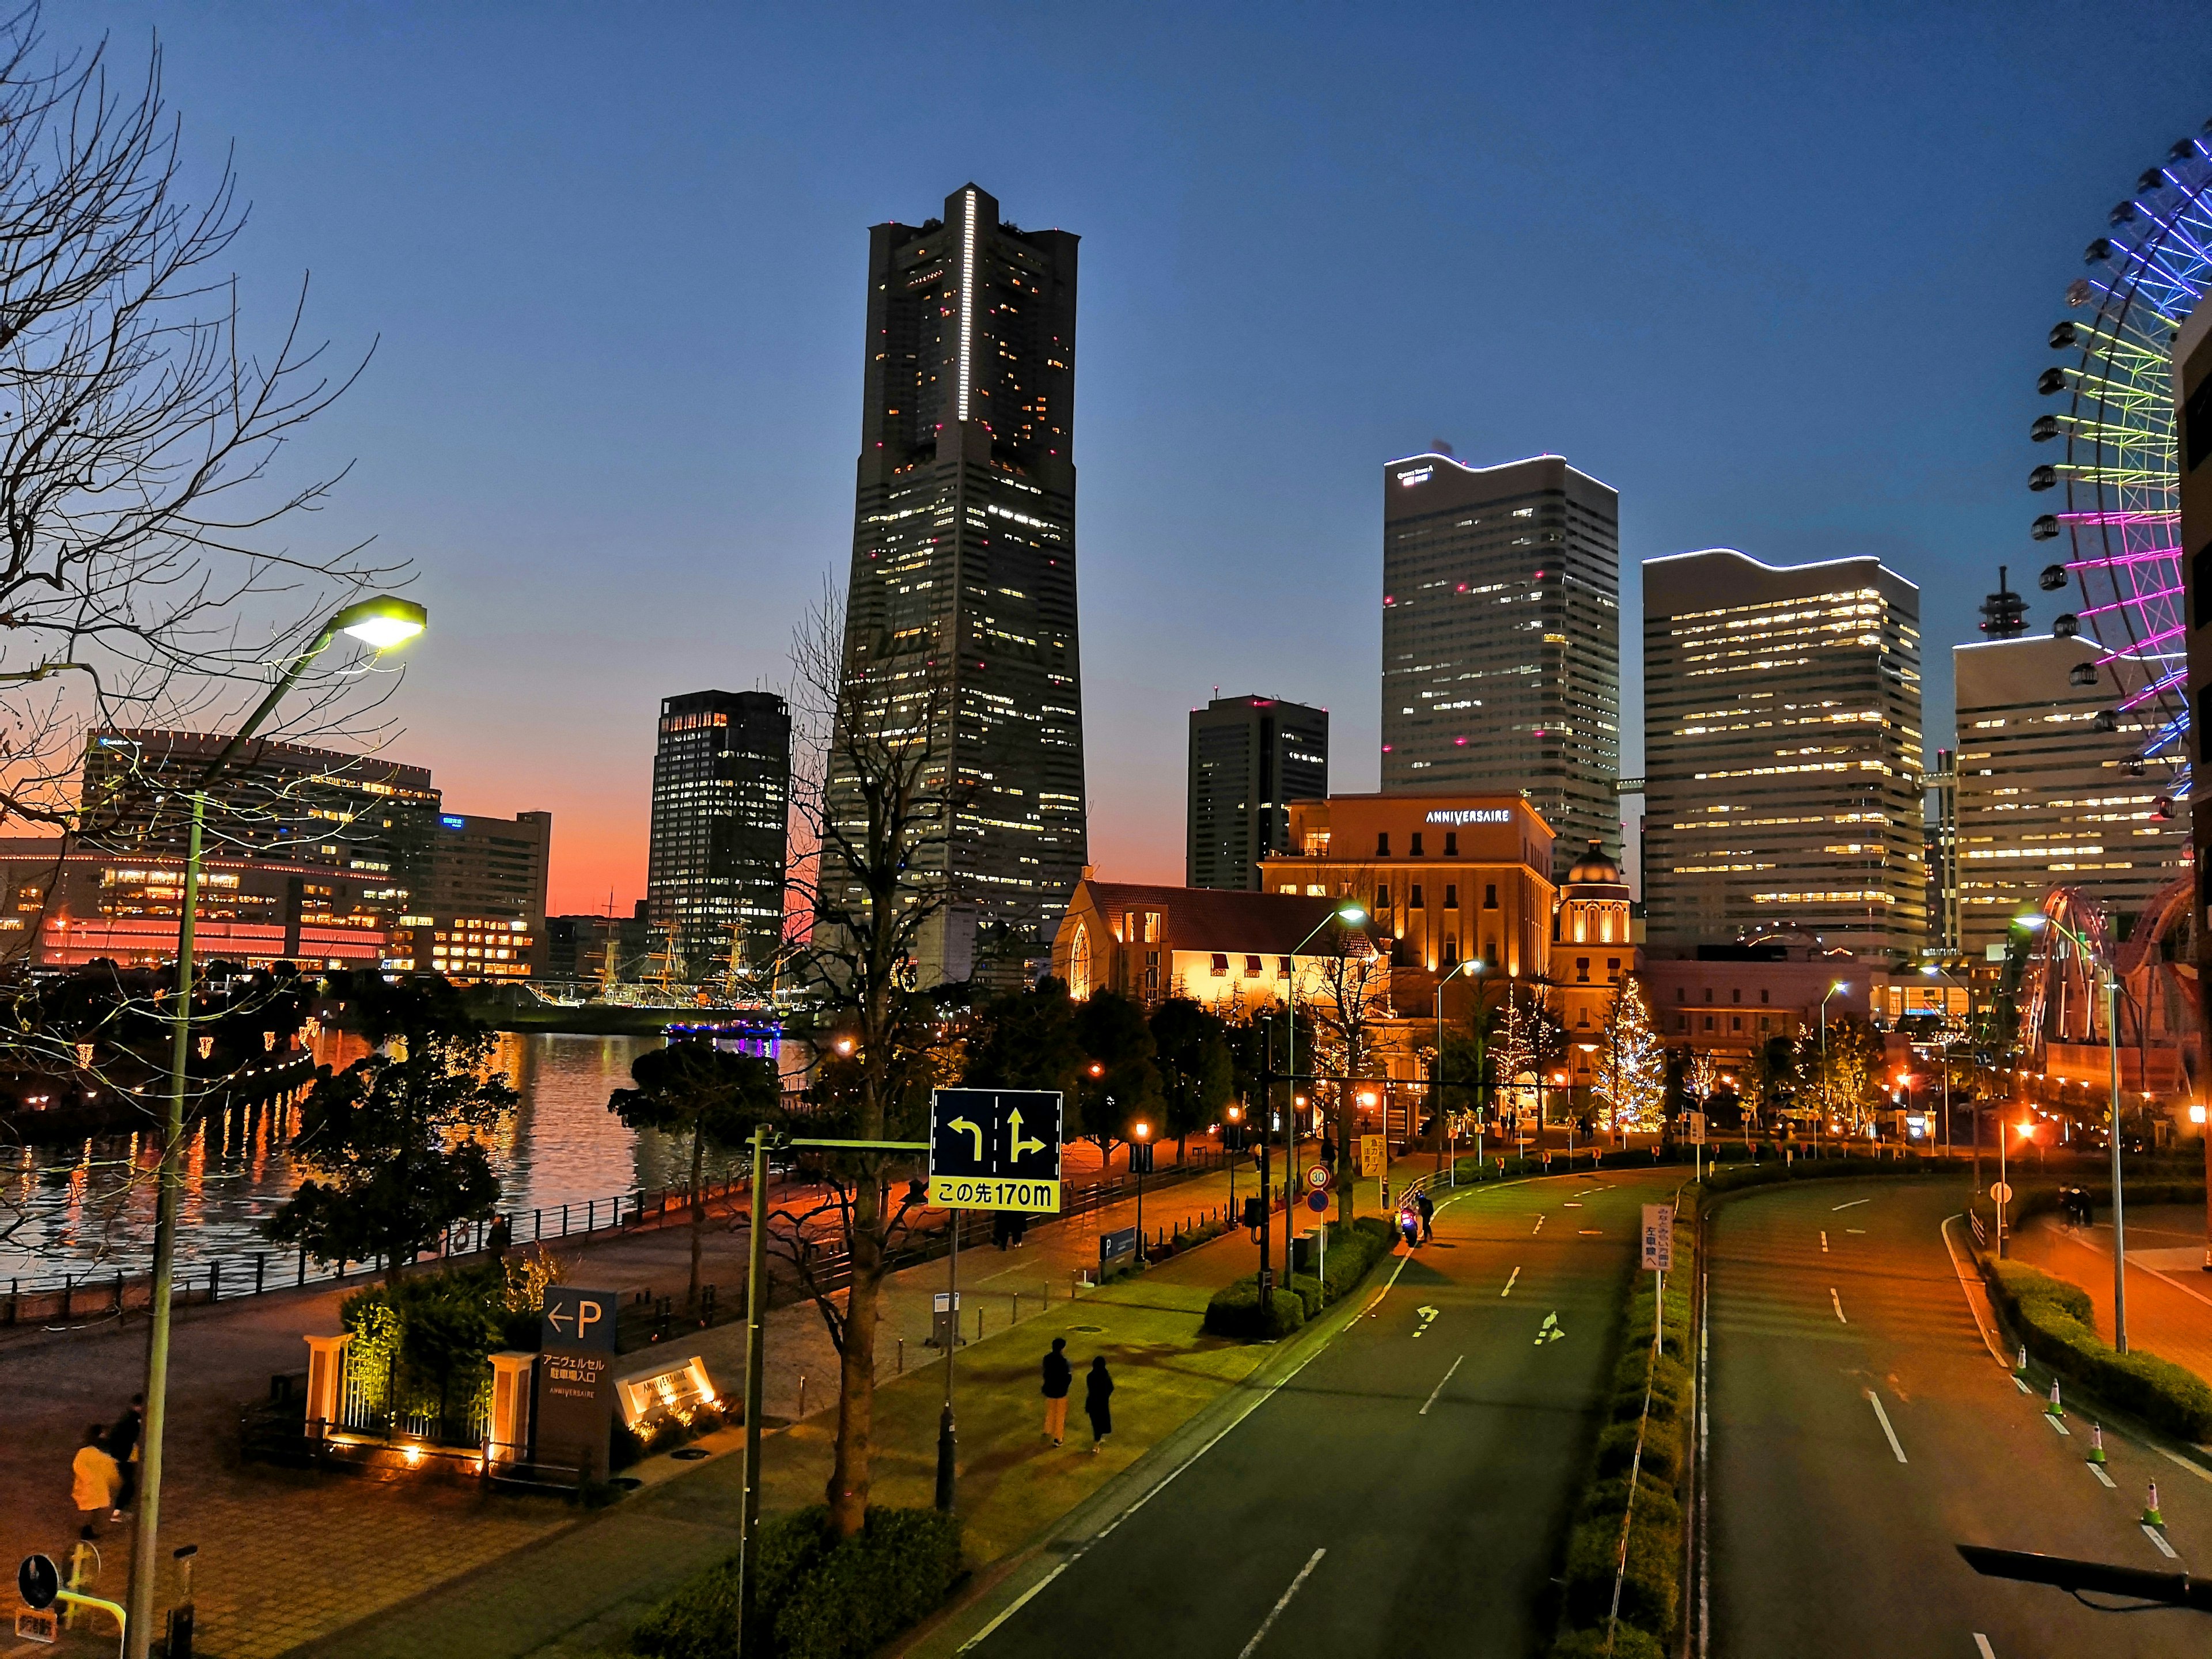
[[1097, 1070], [1232, 1115], [1352, 916], [2032, 920], [1143, 1132], [381, 622]]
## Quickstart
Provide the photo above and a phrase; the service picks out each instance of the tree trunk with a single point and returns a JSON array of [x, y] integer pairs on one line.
[[698, 1213], [847, 1493], [1346, 1157]]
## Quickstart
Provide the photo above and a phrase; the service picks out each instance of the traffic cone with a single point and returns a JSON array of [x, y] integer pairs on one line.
[[2096, 1443], [2020, 1370], [2054, 1409], [2153, 1516]]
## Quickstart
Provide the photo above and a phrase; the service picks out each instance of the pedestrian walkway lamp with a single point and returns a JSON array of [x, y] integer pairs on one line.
[[2103, 960], [381, 624], [1468, 966], [1827, 1089], [1144, 1161], [1351, 915]]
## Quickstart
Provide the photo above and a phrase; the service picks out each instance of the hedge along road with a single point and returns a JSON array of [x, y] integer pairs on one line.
[[1405, 1492], [1860, 1427]]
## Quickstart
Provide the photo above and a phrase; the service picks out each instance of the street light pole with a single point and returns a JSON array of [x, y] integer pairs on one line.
[[1475, 962], [1352, 916], [381, 623], [1827, 1089]]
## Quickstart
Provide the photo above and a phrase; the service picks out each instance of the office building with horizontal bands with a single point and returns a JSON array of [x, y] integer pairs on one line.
[[1501, 639], [359, 814], [480, 913], [1782, 754], [2045, 798], [960, 613], [715, 866], [1249, 758]]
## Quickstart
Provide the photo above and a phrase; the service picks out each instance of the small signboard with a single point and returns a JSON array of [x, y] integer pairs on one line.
[[1121, 1241], [1696, 1120], [1372, 1159], [1317, 1177], [570, 1318], [574, 1414], [37, 1624], [1658, 1237], [2001, 1192], [995, 1148], [38, 1581], [1140, 1157]]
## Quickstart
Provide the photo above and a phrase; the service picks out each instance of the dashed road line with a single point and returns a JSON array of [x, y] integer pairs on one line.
[[1823, 1240], [2159, 1539], [1538, 1228], [1508, 1290], [1439, 1388], [1838, 1301], [1276, 1612], [2104, 1479], [1882, 1416], [1853, 1204], [2058, 1425]]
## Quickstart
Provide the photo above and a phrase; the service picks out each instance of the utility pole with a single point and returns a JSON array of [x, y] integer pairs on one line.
[[755, 1357]]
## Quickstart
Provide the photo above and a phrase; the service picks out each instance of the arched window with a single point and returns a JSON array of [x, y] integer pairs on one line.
[[1078, 963]]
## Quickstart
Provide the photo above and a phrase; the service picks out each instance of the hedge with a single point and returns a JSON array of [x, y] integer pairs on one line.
[[2054, 1319], [815, 1596], [1235, 1310]]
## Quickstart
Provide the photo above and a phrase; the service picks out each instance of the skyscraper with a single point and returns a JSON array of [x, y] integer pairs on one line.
[[1250, 757], [2046, 800], [1782, 753], [721, 788], [963, 565], [1501, 639]]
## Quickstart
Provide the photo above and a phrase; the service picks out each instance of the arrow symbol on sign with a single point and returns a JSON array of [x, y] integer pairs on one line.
[[555, 1316], [961, 1125], [1014, 1136]]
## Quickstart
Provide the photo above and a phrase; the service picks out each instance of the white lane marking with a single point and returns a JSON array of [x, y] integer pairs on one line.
[[1838, 1301], [1967, 1290], [1981, 1646], [1017, 1604], [1855, 1230], [1276, 1612], [2159, 1539], [2058, 1425], [1538, 1228], [1439, 1388], [1823, 1240], [1853, 1204], [2020, 1382], [2103, 1480], [1508, 1290], [1882, 1416]]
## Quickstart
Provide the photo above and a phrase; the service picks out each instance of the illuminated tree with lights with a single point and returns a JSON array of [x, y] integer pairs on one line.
[[1631, 1063]]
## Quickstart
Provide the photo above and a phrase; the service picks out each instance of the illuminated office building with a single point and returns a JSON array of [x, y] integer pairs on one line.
[[1782, 754], [1501, 639], [715, 866], [1249, 758], [960, 614]]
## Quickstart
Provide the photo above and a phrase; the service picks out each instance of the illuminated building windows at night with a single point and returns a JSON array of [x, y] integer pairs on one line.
[[714, 864]]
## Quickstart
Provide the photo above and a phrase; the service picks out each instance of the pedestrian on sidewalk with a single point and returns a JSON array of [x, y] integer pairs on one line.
[[123, 1447], [1059, 1377], [1097, 1392], [93, 1478], [1428, 1209]]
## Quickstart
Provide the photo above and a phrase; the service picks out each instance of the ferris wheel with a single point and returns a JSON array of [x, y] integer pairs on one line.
[[2122, 513]]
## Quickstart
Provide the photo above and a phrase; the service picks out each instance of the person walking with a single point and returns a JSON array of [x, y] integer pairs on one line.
[[1059, 1377], [93, 1478], [123, 1447], [1097, 1396], [1428, 1209]]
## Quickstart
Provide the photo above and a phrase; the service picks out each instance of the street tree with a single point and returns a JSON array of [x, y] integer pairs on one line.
[[1772, 1077], [1119, 1084], [709, 1095], [394, 1146], [1350, 1001], [1026, 1039], [1200, 1074], [1631, 1063]]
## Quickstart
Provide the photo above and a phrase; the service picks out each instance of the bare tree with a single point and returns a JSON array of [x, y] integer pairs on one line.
[[1353, 1000], [877, 787]]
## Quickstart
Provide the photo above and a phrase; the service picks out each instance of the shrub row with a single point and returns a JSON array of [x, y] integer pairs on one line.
[[2054, 1319], [1236, 1309], [815, 1595], [1661, 1382]]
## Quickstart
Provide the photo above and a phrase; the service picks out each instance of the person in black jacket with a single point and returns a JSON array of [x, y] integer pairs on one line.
[[1098, 1394], [123, 1447], [1059, 1375]]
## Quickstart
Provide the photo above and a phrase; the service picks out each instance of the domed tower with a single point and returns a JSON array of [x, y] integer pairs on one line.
[[1594, 901]]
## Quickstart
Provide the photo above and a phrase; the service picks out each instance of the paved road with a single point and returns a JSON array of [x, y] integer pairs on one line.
[[1407, 1492], [1823, 1540]]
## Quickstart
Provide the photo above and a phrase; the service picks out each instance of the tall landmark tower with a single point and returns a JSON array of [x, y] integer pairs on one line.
[[964, 564], [1501, 639]]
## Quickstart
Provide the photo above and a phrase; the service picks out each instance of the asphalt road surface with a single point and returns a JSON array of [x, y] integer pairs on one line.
[[1407, 1492], [1860, 1427]]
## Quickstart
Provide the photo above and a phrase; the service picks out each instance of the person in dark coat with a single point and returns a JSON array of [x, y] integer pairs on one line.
[[1428, 1209], [1059, 1377], [123, 1447], [1097, 1394]]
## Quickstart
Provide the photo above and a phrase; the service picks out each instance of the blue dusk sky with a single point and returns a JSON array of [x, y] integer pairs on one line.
[[1780, 274]]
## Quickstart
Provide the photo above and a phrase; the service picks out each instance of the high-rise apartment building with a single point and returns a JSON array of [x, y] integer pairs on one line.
[[1942, 853], [2046, 800], [960, 615], [1501, 639], [1249, 757], [714, 869], [480, 911], [1782, 754]]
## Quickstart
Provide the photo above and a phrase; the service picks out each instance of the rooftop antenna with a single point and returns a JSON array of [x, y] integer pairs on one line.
[[2004, 613]]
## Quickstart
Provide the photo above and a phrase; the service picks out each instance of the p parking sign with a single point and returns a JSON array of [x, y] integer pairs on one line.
[[995, 1148]]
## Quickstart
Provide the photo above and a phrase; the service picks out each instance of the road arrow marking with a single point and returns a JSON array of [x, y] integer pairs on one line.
[[1428, 1317], [1550, 1330], [1276, 1612], [1439, 1388], [1882, 1416], [1508, 1290], [1838, 1301], [2104, 1478]]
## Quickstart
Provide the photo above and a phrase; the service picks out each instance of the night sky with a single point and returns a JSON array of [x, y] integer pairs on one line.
[[1781, 274]]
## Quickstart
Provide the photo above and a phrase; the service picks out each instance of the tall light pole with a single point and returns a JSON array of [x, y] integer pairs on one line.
[[381, 624], [2032, 920], [1351, 915], [1827, 1089], [1467, 964], [1943, 1058]]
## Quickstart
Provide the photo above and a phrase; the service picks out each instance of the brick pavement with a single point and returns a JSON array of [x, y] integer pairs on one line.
[[2169, 1293]]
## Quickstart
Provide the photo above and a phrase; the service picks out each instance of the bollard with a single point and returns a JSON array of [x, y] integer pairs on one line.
[[2152, 1515], [2054, 1409], [2096, 1443], [802, 1394], [1018, 1309], [901, 1357]]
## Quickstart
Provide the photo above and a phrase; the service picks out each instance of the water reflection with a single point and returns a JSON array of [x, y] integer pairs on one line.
[[89, 1209]]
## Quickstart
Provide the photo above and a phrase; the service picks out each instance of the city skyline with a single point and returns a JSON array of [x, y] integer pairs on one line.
[[710, 457]]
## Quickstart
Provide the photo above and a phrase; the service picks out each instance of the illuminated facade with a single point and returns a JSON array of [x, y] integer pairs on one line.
[[963, 579], [1782, 755], [1501, 638], [715, 866], [480, 914], [2047, 799], [1249, 758]]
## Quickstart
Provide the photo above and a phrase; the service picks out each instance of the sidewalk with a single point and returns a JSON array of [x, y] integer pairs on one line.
[[286, 1558], [2169, 1293]]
